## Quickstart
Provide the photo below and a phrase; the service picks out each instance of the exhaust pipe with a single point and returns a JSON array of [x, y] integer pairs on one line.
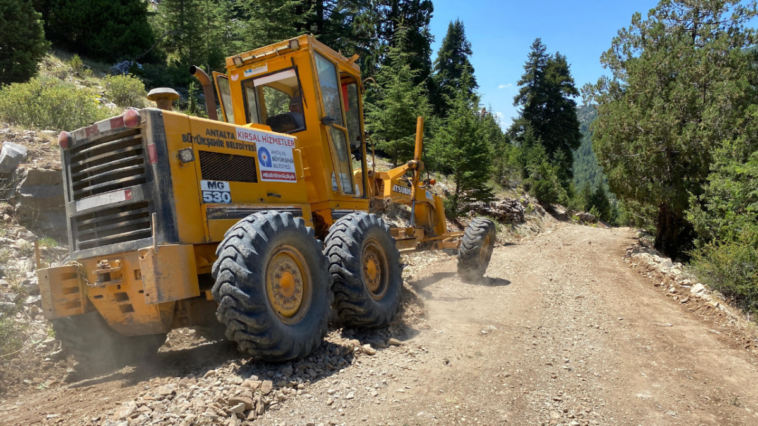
[[210, 97]]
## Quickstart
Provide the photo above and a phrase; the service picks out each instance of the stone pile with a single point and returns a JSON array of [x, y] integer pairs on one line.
[[239, 393], [506, 210], [585, 217], [33, 189], [671, 278]]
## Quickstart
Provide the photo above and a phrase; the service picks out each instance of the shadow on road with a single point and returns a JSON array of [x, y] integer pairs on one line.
[[494, 282], [197, 360]]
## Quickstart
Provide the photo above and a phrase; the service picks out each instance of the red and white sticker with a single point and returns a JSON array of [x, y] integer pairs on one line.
[[103, 199], [275, 158]]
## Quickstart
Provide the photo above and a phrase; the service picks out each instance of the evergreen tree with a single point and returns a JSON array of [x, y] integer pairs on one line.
[[229, 28], [561, 134], [392, 117], [414, 16], [682, 87], [22, 41], [532, 94], [451, 64], [584, 197], [547, 108], [500, 147], [187, 38], [601, 204], [348, 26], [106, 30], [462, 148], [540, 176], [271, 21]]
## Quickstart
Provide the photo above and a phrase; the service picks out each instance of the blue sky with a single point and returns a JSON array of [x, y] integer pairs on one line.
[[501, 32]]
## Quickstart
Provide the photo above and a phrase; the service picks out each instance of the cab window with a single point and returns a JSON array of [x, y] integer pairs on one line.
[[226, 98], [330, 96], [352, 111], [275, 100]]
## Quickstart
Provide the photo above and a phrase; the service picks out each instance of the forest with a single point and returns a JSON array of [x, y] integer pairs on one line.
[[667, 141]]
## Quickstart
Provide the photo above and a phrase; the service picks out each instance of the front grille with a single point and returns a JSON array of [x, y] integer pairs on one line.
[[228, 167], [112, 226], [107, 164]]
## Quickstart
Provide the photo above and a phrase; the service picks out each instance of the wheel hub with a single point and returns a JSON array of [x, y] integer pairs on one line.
[[287, 284], [485, 249], [375, 273]]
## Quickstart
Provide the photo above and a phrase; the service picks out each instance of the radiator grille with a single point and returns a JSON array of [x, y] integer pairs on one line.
[[228, 167], [107, 164], [112, 226]]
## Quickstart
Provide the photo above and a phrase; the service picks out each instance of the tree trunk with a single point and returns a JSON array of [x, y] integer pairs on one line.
[[674, 235]]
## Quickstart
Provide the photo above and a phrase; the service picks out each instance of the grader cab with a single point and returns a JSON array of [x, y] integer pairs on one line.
[[258, 221]]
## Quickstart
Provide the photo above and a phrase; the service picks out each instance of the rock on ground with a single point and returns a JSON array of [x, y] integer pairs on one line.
[[11, 156], [40, 203]]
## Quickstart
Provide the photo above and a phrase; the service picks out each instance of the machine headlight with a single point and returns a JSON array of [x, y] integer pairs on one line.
[[186, 155]]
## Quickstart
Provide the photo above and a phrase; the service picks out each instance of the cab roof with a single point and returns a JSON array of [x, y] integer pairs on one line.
[[288, 46]]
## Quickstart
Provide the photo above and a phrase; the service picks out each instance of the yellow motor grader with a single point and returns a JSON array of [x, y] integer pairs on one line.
[[258, 220]]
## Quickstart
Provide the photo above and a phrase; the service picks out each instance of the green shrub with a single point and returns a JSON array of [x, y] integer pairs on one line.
[[125, 91], [76, 63], [544, 185], [46, 103], [11, 334], [22, 41], [732, 269], [48, 242]]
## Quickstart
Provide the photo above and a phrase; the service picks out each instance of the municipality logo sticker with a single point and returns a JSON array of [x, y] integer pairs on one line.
[[264, 157]]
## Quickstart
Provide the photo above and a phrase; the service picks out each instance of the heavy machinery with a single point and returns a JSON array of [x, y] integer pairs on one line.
[[258, 221]]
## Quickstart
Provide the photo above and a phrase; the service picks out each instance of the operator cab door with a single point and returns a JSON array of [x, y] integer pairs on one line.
[[341, 128]]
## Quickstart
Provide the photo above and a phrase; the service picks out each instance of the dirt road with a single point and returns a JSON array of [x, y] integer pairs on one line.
[[562, 331]]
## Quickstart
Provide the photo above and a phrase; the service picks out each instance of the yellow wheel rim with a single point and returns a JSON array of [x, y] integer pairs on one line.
[[288, 284], [375, 272], [485, 249]]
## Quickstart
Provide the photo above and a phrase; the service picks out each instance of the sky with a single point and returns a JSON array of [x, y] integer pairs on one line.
[[501, 31]]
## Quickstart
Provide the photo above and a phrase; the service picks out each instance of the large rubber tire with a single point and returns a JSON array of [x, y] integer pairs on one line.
[[241, 289], [476, 249], [353, 242], [98, 348]]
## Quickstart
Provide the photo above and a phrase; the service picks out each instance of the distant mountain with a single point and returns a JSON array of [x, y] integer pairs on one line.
[[586, 168]]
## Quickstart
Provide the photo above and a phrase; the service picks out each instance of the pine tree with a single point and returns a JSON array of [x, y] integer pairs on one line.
[[540, 176], [271, 21], [106, 30], [462, 148], [547, 108], [451, 64], [348, 26], [230, 28], [585, 197], [560, 133], [22, 41], [499, 145], [392, 117], [414, 16], [599, 201], [181, 22], [532, 94]]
